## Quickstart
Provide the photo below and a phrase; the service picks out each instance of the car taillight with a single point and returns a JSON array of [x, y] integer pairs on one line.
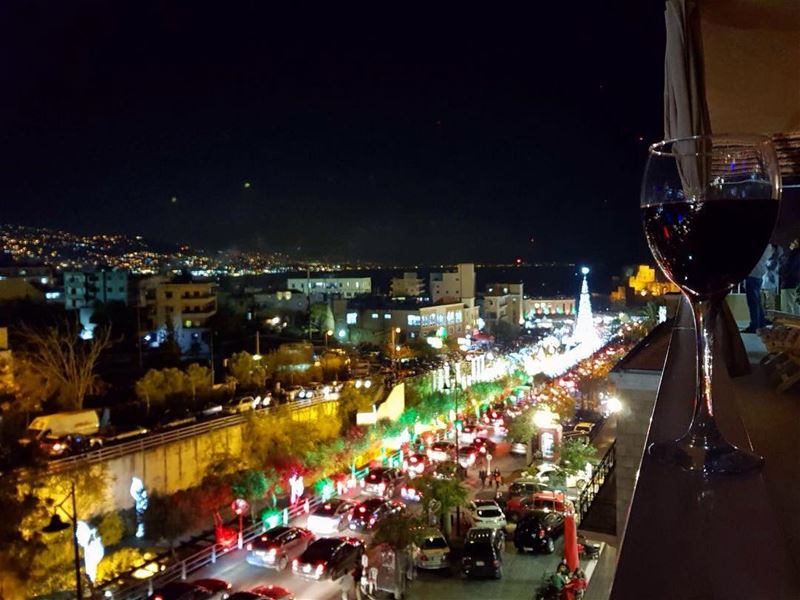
[[249, 546], [361, 509], [58, 446], [320, 569], [495, 563], [158, 598], [272, 552], [423, 557], [295, 563]]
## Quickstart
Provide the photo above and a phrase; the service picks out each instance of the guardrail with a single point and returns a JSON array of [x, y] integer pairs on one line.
[[599, 477], [207, 556], [159, 439]]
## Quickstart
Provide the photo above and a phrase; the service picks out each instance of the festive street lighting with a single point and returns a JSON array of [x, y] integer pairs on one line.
[[239, 506]]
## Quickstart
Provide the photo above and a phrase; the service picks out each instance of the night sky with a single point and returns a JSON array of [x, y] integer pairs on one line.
[[395, 135]]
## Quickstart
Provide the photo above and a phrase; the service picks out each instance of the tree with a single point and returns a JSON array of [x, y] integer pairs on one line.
[[20, 537], [398, 532], [574, 454], [322, 317], [252, 485], [60, 356], [248, 372], [198, 379], [150, 388], [165, 519], [442, 496], [111, 529]]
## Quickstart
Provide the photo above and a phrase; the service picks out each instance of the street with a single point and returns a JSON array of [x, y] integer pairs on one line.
[[521, 573]]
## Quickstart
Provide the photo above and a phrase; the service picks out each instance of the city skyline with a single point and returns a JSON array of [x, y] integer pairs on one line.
[[489, 141]]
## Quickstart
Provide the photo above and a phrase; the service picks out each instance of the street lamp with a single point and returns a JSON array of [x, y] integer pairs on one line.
[[395, 348], [453, 387], [327, 334], [56, 525]]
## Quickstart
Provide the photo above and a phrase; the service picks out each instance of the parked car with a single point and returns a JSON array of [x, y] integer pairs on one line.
[[483, 553], [117, 436], [545, 472], [240, 405], [211, 409], [273, 592], [486, 513], [330, 517], [445, 470], [518, 448], [56, 425], [173, 418], [367, 514], [381, 482], [328, 557], [430, 549], [277, 547], [293, 393], [442, 451], [220, 588], [537, 531]]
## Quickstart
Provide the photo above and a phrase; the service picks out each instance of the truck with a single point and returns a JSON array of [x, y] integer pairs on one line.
[[58, 432]]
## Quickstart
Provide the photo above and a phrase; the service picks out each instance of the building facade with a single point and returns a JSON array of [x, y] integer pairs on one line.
[[407, 286], [83, 289], [503, 303], [453, 286], [556, 306], [346, 287]]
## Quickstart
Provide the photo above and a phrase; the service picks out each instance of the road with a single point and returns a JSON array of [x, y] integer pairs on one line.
[[522, 573]]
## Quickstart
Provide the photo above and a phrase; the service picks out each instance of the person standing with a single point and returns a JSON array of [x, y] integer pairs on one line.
[[769, 283], [790, 279], [752, 289], [482, 476]]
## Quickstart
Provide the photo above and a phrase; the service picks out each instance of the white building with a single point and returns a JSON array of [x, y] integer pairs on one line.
[[407, 286], [454, 286], [346, 287], [83, 289], [560, 306], [503, 302]]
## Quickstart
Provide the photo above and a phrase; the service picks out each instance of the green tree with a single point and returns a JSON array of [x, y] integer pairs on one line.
[[20, 536], [252, 485], [441, 496], [322, 317], [522, 429], [398, 532], [573, 454]]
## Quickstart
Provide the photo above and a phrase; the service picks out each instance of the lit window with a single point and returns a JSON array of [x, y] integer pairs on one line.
[[374, 315], [387, 315], [352, 318], [414, 320], [358, 284], [187, 323]]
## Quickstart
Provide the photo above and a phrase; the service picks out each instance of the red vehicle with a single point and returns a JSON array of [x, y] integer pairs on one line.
[[549, 501], [416, 464]]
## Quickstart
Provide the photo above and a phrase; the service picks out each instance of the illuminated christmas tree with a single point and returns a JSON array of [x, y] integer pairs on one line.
[[585, 332]]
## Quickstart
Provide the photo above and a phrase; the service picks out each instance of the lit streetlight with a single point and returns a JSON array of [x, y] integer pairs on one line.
[[56, 525]]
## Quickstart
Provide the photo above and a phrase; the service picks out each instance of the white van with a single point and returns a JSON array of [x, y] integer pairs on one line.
[[57, 425]]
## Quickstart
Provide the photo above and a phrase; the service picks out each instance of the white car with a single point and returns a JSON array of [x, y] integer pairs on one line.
[[240, 405], [330, 517], [577, 481], [486, 513]]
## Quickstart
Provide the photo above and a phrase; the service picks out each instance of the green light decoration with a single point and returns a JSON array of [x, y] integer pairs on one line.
[[271, 518], [325, 489], [441, 332]]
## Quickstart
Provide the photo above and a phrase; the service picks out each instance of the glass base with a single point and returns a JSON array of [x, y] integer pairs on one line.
[[718, 458]]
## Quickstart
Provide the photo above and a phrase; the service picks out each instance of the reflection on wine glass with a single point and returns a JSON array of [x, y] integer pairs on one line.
[[709, 205]]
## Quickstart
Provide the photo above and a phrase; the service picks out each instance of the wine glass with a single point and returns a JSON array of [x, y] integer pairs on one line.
[[709, 205]]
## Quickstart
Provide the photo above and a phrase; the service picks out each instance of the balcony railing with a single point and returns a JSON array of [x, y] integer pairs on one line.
[[688, 536]]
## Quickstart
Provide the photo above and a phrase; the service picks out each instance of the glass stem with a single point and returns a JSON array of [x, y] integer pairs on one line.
[[703, 430]]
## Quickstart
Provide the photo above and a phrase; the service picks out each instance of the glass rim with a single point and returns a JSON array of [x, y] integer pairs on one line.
[[659, 148]]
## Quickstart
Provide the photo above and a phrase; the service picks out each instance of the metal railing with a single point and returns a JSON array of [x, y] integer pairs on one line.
[[600, 475], [153, 440], [180, 569]]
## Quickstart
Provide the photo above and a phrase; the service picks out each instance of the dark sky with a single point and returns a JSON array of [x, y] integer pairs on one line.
[[401, 134]]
